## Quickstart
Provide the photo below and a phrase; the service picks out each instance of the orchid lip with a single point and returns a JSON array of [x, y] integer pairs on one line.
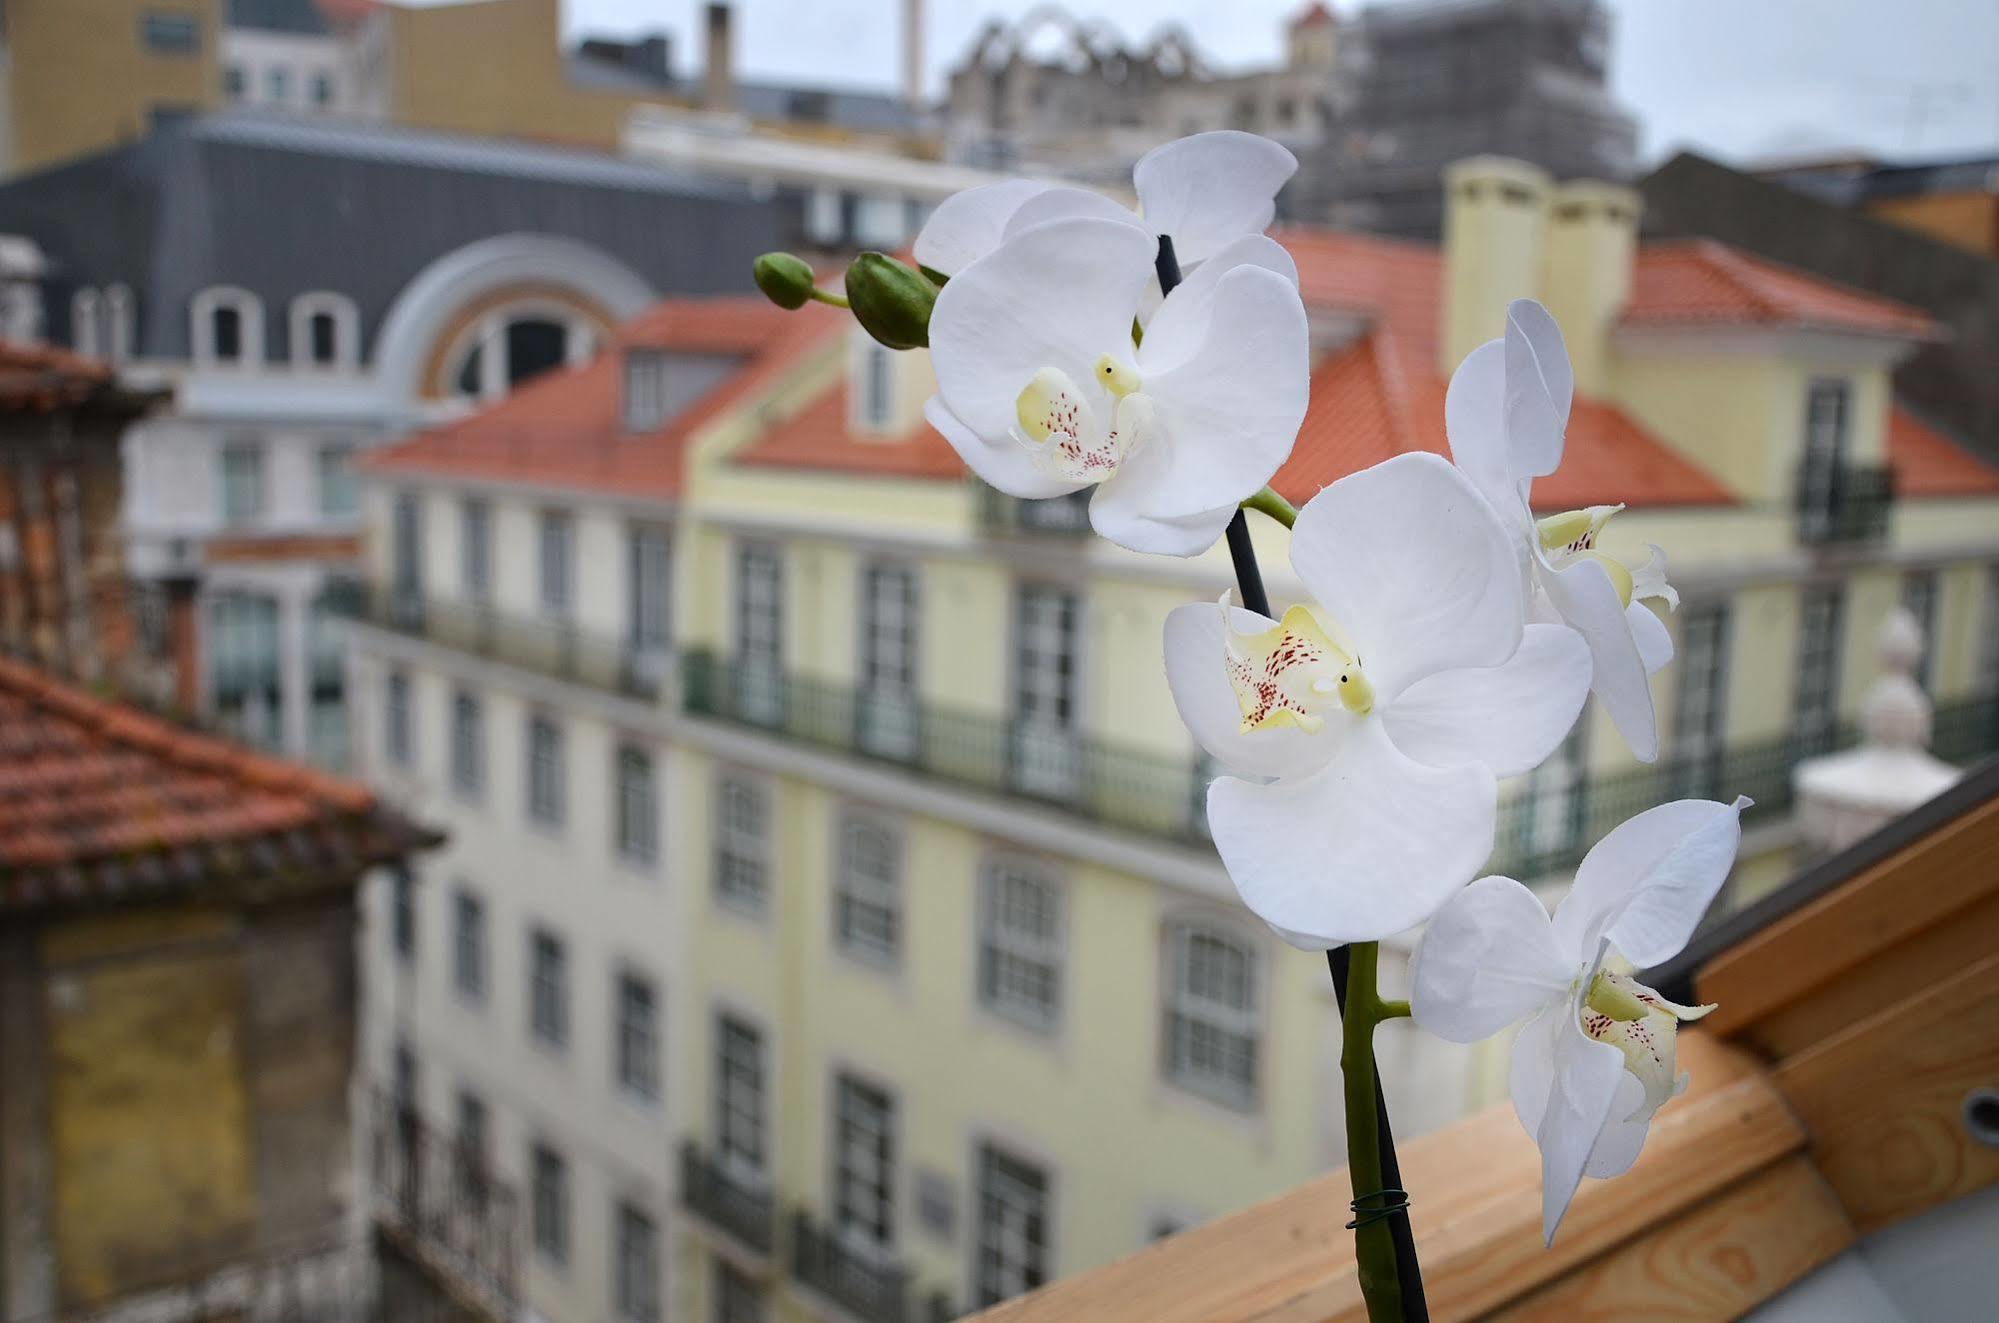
[[1293, 673], [1062, 430]]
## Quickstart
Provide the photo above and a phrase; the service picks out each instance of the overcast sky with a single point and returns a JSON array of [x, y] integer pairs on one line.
[[1739, 78]]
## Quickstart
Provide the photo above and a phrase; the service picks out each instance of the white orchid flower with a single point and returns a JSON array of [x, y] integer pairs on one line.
[[1380, 717], [1506, 412], [1205, 191], [1042, 391], [1596, 1059]]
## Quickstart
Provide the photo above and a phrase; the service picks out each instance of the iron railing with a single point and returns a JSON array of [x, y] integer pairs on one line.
[[866, 1285], [741, 1208], [446, 1208], [1001, 515], [554, 648], [1844, 502]]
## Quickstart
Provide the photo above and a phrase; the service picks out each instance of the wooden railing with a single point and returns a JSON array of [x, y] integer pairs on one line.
[[1859, 1010]]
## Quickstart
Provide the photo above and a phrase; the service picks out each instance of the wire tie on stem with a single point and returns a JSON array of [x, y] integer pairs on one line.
[[1393, 1201]]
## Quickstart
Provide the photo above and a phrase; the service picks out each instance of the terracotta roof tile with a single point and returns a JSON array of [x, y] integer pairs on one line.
[[96, 796], [1704, 283], [817, 437], [1926, 462], [43, 376], [566, 429]]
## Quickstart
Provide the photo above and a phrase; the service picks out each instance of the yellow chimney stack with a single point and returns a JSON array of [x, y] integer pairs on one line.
[[1592, 242], [1495, 232]]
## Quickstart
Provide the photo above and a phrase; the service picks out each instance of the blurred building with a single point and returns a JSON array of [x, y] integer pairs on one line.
[[1439, 80], [1838, 234], [1069, 96], [177, 942], [774, 748], [309, 287], [1955, 201]]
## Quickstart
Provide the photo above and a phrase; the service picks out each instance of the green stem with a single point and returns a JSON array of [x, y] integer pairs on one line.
[[1270, 503], [828, 296], [1374, 1244]]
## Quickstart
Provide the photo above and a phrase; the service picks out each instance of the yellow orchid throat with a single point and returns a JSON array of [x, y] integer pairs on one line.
[[1293, 673], [1571, 536], [1056, 420]]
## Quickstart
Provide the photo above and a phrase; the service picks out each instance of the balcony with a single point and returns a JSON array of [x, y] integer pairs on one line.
[[555, 648], [444, 1210], [1844, 502], [742, 1209], [864, 1285], [1120, 787], [1001, 515]]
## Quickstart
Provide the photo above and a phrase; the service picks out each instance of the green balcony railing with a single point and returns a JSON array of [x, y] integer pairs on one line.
[[1001, 515], [550, 647], [1844, 502]]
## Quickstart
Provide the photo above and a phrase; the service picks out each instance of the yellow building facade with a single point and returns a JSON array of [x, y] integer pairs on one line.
[[872, 777]]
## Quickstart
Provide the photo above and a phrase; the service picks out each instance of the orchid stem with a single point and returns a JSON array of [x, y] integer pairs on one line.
[[1394, 1010], [828, 296], [1374, 1236], [1270, 503]]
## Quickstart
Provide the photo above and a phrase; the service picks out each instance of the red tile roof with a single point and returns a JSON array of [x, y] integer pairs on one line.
[[816, 437], [1700, 282], [566, 429], [1926, 462], [42, 377], [99, 801]]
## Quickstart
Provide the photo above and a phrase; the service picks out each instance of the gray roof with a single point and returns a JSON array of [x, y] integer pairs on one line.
[[282, 205], [277, 15], [847, 108]]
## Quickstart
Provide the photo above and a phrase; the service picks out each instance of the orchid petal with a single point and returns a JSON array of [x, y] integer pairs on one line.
[[1415, 569], [1230, 412], [1564, 1085], [1654, 640], [1175, 333], [1367, 847], [1487, 959], [1475, 427], [1584, 595], [1209, 188], [1197, 673], [1006, 463], [1623, 1135], [968, 225], [1117, 516], [1646, 884], [1065, 202], [1059, 295], [1540, 386], [1509, 717]]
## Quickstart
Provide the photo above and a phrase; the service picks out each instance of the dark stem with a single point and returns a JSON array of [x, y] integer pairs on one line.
[[1249, 586]]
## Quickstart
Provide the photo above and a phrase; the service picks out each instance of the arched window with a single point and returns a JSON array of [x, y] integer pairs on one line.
[[324, 332], [228, 328], [1213, 1025], [86, 322], [516, 343]]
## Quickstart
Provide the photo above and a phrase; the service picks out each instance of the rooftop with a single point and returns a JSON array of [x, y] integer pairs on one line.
[[100, 802], [41, 378]]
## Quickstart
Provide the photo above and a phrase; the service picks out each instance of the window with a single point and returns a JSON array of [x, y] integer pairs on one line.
[[322, 339], [322, 89], [468, 945], [468, 744], [740, 815], [402, 912], [637, 1282], [324, 331], [235, 82], [472, 1163], [637, 830], [877, 387], [245, 665], [1825, 454], [339, 489], [227, 327], [863, 1162], [651, 582], [1046, 758], [242, 481], [556, 542], [1700, 714], [867, 900], [278, 84], [739, 1094], [888, 630], [86, 322], [645, 389], [638, 1036], [406, 546], [226, 334], [545, 772], [1013, 1226], [548, 988], [396, 719], [1821, 631], [1020, 943], [549, 1197], [760, 632], [1988, 648], [1919, 595], [1212, 1024], [475, 548], [737, 1298], [168, 32]]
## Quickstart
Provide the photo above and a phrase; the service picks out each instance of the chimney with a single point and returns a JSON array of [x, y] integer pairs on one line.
[[1592, 242], [1495, 230], [912, 54], [183, 641], [718, 82]]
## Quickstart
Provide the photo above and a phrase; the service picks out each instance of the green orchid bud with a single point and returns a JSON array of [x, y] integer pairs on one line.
[[785, 280], [891, 301]]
